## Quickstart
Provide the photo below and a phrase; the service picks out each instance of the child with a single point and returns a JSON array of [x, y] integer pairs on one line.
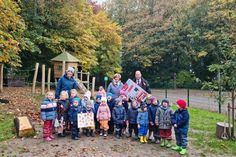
[[75, 109], [73, 94], [86, 98], [90, 130], [111, 104], [125, 105], [132, 119], [103, 116], [119, 117], [96, 106], [163, 121], [101, 91], [153, 128], [142, 121], [148, 100], [48, 115], [180, 121], [63, 106]]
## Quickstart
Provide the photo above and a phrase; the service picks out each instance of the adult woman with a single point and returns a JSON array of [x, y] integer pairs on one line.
[[66, 82], [115, 86]]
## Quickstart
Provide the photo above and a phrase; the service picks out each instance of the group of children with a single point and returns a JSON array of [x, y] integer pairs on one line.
[[115, 116]]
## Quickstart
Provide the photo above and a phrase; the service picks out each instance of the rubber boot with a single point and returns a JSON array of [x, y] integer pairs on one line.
[[87, 132], [176, 148], [183, 152], [168, 145], [162, 143], [92, 133], [141, 139], [145, 139]]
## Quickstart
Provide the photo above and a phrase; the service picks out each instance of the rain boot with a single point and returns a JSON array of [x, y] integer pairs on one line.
[[168, 145], [141, 139], [183, 151], [87, 132], [145, 139], [162, 143], [176, 148], [92, 133]]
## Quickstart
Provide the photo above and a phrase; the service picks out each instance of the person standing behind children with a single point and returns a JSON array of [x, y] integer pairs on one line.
[[48, 115], [132, 119], [115, 86], [111, 104], [73, 113], [103, 116], [63, 106], [163, 121], [96, 106], [153, 128], [101, 91], [89, 109], [142, 121], [119, 117], [180, 121]]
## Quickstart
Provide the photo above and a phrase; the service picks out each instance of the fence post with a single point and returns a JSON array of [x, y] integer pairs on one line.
[[63, 67], [81, 75], [93, 86], [233, 108], [166, 92], [35, 77], [43, 79], [188, 96], [88, 74], [1, 78], [49, 78]]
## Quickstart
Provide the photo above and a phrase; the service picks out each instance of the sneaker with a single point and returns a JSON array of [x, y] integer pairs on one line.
[[157, 141], [176, 148], [105, 135], [48, 139], [75, 138], [183, 152], [101, 134]]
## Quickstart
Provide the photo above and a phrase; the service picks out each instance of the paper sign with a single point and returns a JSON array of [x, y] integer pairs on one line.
[[85, 120], [134, 91]]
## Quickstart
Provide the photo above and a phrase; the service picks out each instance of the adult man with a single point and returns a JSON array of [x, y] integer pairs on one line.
[[139, 80]]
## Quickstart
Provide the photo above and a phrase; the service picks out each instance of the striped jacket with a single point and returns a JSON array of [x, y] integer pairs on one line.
[[48, 109]]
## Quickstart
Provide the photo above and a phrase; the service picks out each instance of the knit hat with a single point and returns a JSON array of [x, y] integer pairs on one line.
[[181, 103], [118, 100], [71, 69], [149, 96], [98, 97], [152, 99], [143, 106], [87, 94], [103, 99], [109, 94], [122, 93], [76, 99]]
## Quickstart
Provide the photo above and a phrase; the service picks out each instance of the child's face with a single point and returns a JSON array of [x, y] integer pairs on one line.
[[101, 88], [103, 102], [145, 109], [165, 104], [148, 101], [88, 107], [75, 103], [63, 97], [73, 94], [155, 102], [85, 98], [134, 105], [109, 98], [123, 97], [50, 96], [98, 100], [179, 107]]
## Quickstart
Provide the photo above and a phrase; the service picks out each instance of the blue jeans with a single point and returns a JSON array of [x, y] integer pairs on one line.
[[142, 131], [181, 139], [75, 130]]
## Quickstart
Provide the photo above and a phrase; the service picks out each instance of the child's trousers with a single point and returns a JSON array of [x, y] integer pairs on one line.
[[119, 128], [181, 139], [133, 127], [142, 131], [104, 125], [47, 128], [75, 130]]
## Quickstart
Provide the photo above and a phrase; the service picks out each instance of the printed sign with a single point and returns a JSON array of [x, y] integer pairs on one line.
[[134, 91], [85, 120]]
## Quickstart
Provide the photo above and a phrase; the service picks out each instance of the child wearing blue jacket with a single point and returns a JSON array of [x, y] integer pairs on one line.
[[132, 115], [74, 110], [48, 115], [96, 106], [119, 117], [180, 121], [89, 109], [142, 121]]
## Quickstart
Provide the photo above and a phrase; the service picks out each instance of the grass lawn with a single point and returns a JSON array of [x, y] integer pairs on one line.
[[202, 133], [6, 126]]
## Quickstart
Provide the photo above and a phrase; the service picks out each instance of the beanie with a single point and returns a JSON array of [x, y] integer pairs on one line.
[[98, 97], [181, 103], [109, 94], [71, 69]]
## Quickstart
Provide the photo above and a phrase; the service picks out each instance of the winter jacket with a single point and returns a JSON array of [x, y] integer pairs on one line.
[[96, 106], [163, 117], [103, 112], [152, 113], [111, 104], [181, 119], [132, 115], [144, 85], [65, 84], [74, 110], [115, 89], [119, 114], [142, 118], [48, 109], [63, 107]]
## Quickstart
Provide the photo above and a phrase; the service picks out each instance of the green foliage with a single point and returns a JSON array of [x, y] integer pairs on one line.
[[186, 79], [6, 126]]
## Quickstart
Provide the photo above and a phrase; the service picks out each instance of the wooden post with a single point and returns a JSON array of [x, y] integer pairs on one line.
[[81, 75], [233, 108], [88, 74], [49, 78], [63, 67], [76, 73], [35, 77], [43, 80], [1, 78], [93, 86]]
